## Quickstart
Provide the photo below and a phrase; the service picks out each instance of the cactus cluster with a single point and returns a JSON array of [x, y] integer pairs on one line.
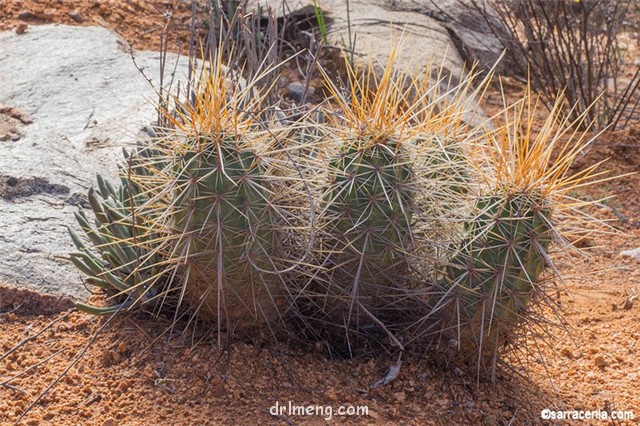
[[208, 207], [426, 224]]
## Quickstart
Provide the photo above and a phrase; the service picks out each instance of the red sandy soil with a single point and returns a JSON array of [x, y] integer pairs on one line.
[[138, 21], [133, 374]]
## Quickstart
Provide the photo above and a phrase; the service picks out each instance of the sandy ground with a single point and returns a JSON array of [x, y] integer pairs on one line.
[[134, 374]]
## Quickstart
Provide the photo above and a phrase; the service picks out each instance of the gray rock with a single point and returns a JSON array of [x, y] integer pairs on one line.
[[448, 33], [472, 36], [76, 16], [70, 99], [295, 90], [635, 253]]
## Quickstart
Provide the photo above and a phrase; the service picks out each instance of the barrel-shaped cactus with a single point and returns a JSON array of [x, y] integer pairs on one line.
[[368, 208], [205, 226], [367, 204], [494, 274], [225, 229], [492, 285]]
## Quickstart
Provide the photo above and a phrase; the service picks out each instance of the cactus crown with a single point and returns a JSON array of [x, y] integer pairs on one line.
[[219, 103], [538, 162], [375, 110], [525, 160]]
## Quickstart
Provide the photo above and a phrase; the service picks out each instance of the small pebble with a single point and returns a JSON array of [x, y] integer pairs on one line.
[[76, 16], [600, 361], [216, 381], [26, 15], [21, 28], [295, 91], [566, 352], [634, 253]]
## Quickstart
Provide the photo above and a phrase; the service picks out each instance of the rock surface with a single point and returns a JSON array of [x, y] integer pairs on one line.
[[70, 99], [296, 91], [635, 253], [443, 32]]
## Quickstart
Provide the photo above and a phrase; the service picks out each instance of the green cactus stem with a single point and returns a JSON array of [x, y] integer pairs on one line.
[[490, 281], [226, 231]]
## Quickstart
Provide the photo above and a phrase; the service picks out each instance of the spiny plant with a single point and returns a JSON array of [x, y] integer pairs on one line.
[[374, 178], [128, 261], [214, 210], [493, 287], [366, 203], [451, 123]]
